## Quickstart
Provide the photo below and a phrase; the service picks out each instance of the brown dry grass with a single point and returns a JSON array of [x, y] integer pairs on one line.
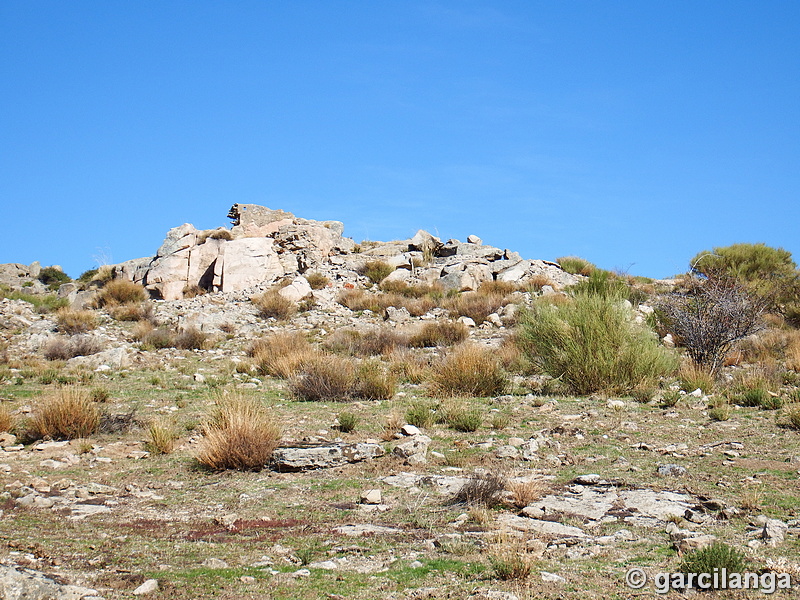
[[139, 311], [282, 355], [468, 370], [524, 493], [373, 342], [374, 381], [6, 419], [439, 334], [67, 413], [121, 291], [75, 321], [163, 436], [317, 281], [240, 434], [410, 366], [475, 305], [272, 305], [693, 377], [358, 300], [325, 378]]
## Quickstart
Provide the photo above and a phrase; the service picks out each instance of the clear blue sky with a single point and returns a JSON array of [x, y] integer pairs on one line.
[[634, 134]]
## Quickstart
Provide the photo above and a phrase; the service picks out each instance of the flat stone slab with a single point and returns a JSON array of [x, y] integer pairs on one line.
[[365, 529], [323, 457], [541, 527]]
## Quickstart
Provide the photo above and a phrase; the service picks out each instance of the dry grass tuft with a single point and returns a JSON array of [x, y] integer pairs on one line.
[[374, 381], [325, 378], [60, 348], [524, 493], [382, 340], [317, 281], [121, 291], [7, 420], [376, 270], [391, 426], [510, 560], [483, 488], [475, 305], [410, 366], [163, 435], [282, 355], [75, 321], [468, 370], [272, 305], [240, 434], [139, 311], [65, 414], [439, 334]]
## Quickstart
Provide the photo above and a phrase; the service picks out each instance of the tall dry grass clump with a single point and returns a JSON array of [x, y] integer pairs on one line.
[[75, 321], [381, 340], [374, 381], [281, 355], [592, 344], [468, 370], [475, 305], [240, 434], [64, 414], [325, 378], [272, 305], [121, 291], [163, 435], [6, 419], [435, 334]]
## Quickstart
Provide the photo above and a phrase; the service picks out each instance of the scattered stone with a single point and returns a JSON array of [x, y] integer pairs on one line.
[[552, 578], [365, 529], [325, 565], [409, 430], [148, 587], [17, 583], [413, 449], [371, 497], [215, 563]]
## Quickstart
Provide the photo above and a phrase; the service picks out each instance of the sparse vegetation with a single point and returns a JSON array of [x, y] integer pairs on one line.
[[317, 281], [713, 559], [163, 435], [61, 348], [576, 265], [439, 334], [281, 355], [377, 270], [348, 421], [53, 277], [272, 305], [75, 321], [325, 378], [119, 292], [481, 489]]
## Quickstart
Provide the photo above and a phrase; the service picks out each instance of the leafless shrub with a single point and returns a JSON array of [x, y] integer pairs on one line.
[[710, 317], [372, 342], [139, 311], [483, 488]]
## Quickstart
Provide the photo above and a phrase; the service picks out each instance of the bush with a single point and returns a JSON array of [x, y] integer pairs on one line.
[[374, 382], [240, 434], [325, 378], [592, 344], [576, 265], [65, 414], [465, 420], [60, 348], [745, 262], [510, 560], [221, 234], [713, 558], [272, 305], [121, 291], [421, 414], [468, 370], [710, 317], [376, 270], [158, 338], [192, 291], [281, 355], [53, 277], [793, 416], [191, 338], [317, 281], [75, 321], [99, 394], [6, 419], [483, 488], [439, 334], [692, 377], [347, 421]]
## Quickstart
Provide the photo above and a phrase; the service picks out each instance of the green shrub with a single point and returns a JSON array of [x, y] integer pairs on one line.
[[745, 262], [421, 414], [793, 416], [592, 344], [713, 559], [347, 421], [576, 265], [468, 370], [53, 277], [466, 420], [377, 270], [374, 381]]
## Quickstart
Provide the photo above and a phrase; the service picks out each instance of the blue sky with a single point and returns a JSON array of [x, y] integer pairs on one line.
[[634, 134]]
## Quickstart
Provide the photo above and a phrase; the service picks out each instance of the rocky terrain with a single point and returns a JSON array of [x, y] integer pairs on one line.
[[545, 495]]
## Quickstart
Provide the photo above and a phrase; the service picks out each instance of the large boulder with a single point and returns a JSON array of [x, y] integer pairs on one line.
[[245, 263]]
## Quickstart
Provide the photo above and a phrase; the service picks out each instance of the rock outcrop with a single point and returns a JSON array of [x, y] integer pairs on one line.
[[264, 245]]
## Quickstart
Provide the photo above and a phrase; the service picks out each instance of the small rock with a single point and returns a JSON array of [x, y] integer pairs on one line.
[[416, 565], [371, 497], [247, 579], [466, 321], [588, 479], [474, 239], [148, 587], [199, 378], [671, 470], [325, 565], [302, 573], [410, 430], [697, 542], [507, 452], [615, 404], [552, 578], [215, 563]]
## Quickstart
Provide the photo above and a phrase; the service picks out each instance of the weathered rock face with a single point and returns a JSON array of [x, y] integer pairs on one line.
[[322, 457], [26, 584]]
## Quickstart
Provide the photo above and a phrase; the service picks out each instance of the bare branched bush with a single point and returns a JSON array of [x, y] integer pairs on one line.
[[65, 414], [483, 488], [240, 434], [710, 317], [60, 348]]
